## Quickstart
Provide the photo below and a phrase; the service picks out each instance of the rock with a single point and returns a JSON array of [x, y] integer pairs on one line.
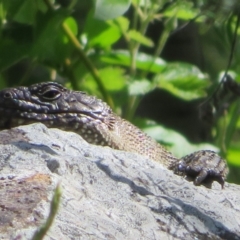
[[106, 194]]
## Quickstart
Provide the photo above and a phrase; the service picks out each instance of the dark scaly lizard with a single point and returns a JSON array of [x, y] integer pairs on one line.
[[55, 106]]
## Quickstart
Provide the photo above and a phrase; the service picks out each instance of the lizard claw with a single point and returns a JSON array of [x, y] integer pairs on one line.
[[203, 166]]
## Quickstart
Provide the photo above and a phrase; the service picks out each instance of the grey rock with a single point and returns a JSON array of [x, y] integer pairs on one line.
[[106, 194]]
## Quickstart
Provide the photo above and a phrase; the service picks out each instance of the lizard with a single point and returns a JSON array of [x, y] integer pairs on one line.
[[58, 107]]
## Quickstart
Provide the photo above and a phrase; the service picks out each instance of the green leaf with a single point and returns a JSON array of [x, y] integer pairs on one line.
[[15, 44], [233, 156], [183, 80], [113, 80], [24, 11], [232, 122], [143, 61], [3, 83], [145, 3], [3, 13], [183, 10], [177, 143], [139, 87], [71, 23], [110, 9], [103, 33], [50, 43], [12, 53], [138, 37], [122, 23]]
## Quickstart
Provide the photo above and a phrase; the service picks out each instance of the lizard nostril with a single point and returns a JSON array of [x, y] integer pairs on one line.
[[7, 95]]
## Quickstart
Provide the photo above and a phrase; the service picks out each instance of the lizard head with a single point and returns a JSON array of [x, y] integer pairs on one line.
[[51, 104]]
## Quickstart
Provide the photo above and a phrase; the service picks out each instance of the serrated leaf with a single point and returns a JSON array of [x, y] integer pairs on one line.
[[110, 9]]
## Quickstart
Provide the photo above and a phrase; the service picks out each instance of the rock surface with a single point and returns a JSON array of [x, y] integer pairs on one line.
[[106, 194]]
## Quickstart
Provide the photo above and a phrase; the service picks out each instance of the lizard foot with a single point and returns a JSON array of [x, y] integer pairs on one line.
[[203, 166]]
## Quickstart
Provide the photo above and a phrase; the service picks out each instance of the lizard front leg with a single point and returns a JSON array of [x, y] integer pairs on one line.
[[203, 166]]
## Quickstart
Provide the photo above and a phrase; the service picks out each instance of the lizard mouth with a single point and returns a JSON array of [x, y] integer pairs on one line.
[[13, 117]]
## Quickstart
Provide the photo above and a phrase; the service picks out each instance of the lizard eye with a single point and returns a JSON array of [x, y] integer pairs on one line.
[[51, 94], [7, 95]]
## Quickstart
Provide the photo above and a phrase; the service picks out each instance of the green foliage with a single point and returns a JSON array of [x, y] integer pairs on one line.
[[112, 78], [143, 61], [183, 10], [105, 34], [109, 9], [96, 47], [183, 80]]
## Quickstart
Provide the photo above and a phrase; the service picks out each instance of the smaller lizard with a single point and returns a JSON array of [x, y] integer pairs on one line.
[[56, 106]]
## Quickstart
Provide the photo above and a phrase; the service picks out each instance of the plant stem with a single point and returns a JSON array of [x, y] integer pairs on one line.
[[42, 231], [87, 63], [144, 18], [74, 41]]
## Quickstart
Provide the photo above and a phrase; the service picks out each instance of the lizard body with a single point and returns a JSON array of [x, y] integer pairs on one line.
[[55, 106]]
